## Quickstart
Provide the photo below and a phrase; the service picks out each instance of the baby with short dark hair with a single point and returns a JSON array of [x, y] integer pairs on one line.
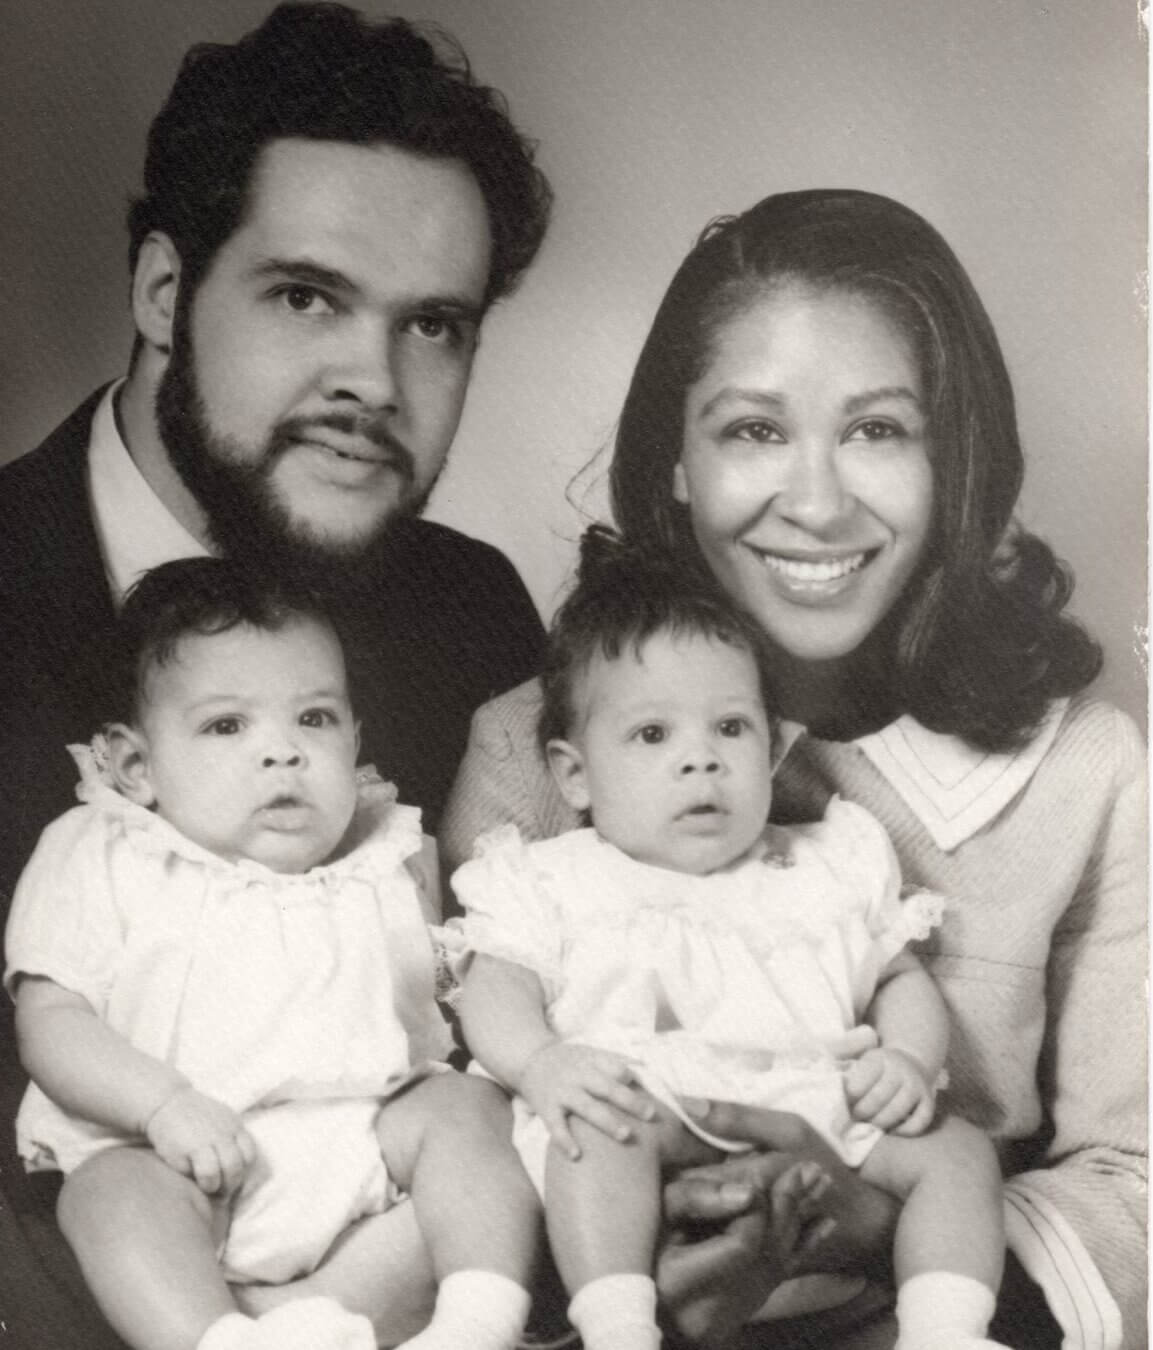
[[224, 987]]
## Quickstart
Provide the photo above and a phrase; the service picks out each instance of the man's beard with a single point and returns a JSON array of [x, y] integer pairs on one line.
[[246, 520]]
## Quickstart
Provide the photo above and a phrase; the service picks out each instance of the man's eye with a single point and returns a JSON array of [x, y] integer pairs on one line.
[[223, 726], [732, 726], [653, 734], [437, 328], [318, 717], [305, 299]]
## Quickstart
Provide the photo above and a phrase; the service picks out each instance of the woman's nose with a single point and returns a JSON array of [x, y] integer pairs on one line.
[[814, 495]]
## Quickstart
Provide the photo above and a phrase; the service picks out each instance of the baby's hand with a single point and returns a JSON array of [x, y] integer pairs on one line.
[[564, 1079], [890, 1089], [203, 1139]]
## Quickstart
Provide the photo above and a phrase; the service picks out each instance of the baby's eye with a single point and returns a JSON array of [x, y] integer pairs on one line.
[[318, 717], [223, 726], [651, 734], [733, 726]]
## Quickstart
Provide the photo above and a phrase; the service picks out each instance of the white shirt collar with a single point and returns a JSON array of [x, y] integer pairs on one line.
[[953, 789], [136, 531]]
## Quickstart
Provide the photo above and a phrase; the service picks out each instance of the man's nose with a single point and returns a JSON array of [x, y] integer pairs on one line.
[[814, 495], [362, 366]]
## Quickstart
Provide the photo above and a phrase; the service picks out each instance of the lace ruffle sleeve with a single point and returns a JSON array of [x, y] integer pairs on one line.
[[509, 914]]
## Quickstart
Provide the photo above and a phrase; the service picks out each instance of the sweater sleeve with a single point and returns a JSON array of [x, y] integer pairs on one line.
[[503, 780], [1078, 1224]]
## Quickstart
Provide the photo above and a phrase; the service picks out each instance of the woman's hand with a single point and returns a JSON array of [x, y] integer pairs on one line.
[[201, 1138], [564, 1078], [889, 1088], [723, 1252], [714, 1276]]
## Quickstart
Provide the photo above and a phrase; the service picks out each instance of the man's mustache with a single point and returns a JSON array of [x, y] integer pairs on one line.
[[350, 424]]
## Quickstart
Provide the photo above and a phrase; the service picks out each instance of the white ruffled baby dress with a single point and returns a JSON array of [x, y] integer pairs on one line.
[[260, 987], [739, 986]]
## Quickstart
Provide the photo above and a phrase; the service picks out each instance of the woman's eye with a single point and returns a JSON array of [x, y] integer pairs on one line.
[[757, 431], [223, 726], [305, 300], [732, 726], [653, 734], [876, 429], [318, 717]]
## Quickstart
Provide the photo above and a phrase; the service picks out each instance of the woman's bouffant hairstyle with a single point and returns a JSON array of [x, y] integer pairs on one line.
[[622, 597], [322, 72], [980, 641], [194, 596]]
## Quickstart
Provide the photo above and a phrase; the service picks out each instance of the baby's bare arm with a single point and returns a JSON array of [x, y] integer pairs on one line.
[[503, 1016], [895, 1085], [91, 1070]]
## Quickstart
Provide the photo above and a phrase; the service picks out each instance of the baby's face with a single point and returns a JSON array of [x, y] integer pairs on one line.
[[249, 744], [671, 752]]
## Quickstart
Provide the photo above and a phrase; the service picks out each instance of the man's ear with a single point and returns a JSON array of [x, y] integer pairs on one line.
[[128, 762], [568, 768], [155, 286], [680, 484]]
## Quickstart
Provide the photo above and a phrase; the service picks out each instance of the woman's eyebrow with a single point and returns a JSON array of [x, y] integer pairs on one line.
[[887, 393], [764, 398]]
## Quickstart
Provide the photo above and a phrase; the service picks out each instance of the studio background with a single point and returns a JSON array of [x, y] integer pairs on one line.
[[1017, 128]]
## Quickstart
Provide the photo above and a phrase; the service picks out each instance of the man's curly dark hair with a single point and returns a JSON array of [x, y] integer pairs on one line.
[[321, 71]]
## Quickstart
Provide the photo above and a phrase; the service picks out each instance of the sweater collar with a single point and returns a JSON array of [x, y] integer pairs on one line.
[[953, 789]]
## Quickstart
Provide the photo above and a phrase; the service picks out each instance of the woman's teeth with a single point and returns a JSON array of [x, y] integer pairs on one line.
[[827, 569]]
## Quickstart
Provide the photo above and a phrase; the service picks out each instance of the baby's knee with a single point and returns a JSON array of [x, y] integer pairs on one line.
[[958, 1148], [113, 1184]]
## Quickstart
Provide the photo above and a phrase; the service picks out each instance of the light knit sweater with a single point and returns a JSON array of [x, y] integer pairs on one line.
[[1041, 959]]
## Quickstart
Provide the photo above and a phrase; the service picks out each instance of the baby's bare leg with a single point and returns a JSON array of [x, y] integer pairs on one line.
[[448, 1142], [142, 1234], [950, 1242]]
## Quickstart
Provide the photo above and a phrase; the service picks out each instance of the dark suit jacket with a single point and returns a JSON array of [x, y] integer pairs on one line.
[[450, 626]]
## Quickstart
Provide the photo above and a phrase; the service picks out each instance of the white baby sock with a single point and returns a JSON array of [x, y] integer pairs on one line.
[[617, 1312], [475, 1308], [230, 1332], [944, 1311]]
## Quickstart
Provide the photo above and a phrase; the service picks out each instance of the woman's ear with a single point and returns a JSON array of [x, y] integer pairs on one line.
[[128, 763], [568, 768], [680, 484], [155, 287]]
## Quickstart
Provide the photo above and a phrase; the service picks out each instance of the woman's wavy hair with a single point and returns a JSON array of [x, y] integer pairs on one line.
[[622, 597], [323, 72], [980, 643]]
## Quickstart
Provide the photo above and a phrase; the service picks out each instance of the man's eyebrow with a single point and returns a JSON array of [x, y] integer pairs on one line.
[[304, 271]]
